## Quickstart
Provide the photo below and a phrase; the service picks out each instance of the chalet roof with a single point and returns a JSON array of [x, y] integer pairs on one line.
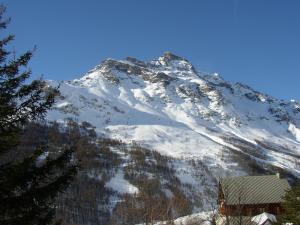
[[253, 189]]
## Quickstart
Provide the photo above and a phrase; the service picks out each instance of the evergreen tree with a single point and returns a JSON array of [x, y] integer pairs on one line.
[[29, 180], [291, 206]]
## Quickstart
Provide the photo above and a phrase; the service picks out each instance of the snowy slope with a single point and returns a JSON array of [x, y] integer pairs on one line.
[[167, 105]]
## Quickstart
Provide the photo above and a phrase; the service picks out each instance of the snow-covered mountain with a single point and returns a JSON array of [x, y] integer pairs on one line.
[[209, 127], [167, 105]]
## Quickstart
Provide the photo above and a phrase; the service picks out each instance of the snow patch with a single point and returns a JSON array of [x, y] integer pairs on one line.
[[295, 131], [62, 104], [119, 184], [202, 218]]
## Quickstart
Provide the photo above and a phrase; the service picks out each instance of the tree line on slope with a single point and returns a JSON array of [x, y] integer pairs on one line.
[[88, 200]]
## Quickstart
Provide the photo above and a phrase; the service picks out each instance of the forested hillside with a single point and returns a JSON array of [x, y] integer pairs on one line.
[[125, 183]]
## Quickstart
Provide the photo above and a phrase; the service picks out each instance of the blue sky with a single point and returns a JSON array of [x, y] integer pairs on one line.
[[256, 42]]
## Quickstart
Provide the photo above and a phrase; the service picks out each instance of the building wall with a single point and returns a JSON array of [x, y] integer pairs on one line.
[[250, 210]]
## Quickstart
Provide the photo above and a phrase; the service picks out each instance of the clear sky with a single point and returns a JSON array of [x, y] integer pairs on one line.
[[256, 42]]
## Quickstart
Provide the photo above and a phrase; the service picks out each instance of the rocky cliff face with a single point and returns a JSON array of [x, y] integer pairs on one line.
[[168, 106]]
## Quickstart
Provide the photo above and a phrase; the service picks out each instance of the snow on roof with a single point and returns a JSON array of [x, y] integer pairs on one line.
[[262, 218]]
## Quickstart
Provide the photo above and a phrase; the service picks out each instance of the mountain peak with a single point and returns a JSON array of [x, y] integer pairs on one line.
[[169, 56], [171, 60]]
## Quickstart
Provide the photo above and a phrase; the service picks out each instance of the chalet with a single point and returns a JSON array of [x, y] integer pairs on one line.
[[251, 195]]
